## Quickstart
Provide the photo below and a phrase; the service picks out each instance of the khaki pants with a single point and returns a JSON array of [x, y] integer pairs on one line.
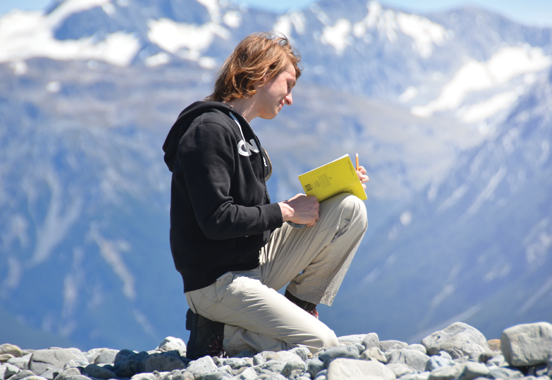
[[313, 260]]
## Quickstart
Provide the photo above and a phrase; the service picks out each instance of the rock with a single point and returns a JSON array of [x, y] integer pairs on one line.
[[374, 353], [473, 371], [94, 370], [276, 366], [284, 356], [314, 366], [357, 338], [447, 373], [417, 347], [458, 339], [50, 359], [322, 375], [358, 369], [504, 373], [388, 345], [435, 361], [18, 375], [202, 366], [338, 352], [171, 343], [400, 369], [11, 349], [303, 352], [494, 344], [248, 374], [370, 340], [416, 376], [234, 363], [167, 361], [527, 344], [67, 373], [144, 376], [5, 357], [106, 356], [412, 358], [21, 362], [293, 366]]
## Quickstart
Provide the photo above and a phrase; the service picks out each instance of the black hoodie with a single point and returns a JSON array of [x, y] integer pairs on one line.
[[221, 213]]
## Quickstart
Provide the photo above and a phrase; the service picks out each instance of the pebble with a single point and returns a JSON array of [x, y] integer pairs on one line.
[[457, 352]]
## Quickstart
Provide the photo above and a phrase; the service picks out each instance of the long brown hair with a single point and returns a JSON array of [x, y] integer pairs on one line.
[[256, 56]]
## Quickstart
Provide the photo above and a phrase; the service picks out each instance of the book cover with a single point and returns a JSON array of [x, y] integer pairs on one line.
[[335, 177]]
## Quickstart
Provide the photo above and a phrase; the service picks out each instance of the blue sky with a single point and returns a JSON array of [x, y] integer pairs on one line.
[[530, 12]]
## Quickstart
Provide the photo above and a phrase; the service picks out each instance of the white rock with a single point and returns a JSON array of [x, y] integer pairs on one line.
[[527, 344], [352, 369]]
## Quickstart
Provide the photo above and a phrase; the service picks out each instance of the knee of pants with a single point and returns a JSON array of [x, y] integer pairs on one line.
[[355, 209]]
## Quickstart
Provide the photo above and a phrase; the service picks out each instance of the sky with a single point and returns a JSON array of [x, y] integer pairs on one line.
[[529, 12]]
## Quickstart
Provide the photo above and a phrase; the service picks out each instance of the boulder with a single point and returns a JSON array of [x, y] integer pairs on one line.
[[370, 340], [412, 358], [50, 359], [527, 344], [473, 371], [171, 343], [388, 345], [339, 352], [358, 369], [458, 339]]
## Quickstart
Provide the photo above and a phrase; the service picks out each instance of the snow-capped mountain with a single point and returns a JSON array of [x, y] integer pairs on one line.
[[90, 88]]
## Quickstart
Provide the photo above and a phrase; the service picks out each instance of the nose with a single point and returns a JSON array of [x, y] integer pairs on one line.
[[289, 99]]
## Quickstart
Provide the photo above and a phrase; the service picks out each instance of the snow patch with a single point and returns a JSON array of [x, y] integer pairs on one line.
[[474, 76], [410, 93], [425, 33], [337, 35], [285, 22], [488, 108], [157, 59], [487, 193], [186, 40], [213, 9], [25, 35]]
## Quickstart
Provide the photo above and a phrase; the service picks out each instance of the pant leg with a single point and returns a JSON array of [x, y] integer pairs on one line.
[[314, 260], [256, 317]]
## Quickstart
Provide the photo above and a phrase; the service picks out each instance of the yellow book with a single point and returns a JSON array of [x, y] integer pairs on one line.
[[336, 177]]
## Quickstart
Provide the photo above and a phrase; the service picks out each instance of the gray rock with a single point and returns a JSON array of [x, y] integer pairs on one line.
[[216, 375], [180, 375], [338, 352], [202, 366], [412, 358], [75, 377], [35, 377], [144, 376], [370, 340], [21, 362], [167, 361], [18, 375], [473, 371], [417, 347], [388, 345], [106, 356], [276, 366], [401, 369], [358, 369], [356, 338], [67, 373], [9, 370], [171, 343], [248, 374], [234, 363], [303, 352], [94, 370], [458, 339], [322, 375], [284, 356], [416, 376], [374, 353], [128, 363], [435, 362], [293, 366], [55, 358], [447, 373], [528, 344], [258, 359], [124, 355], [504, 373], [314, 366], [11, 349]]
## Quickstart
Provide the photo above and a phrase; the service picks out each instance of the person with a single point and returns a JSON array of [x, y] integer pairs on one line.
[[231, 245]]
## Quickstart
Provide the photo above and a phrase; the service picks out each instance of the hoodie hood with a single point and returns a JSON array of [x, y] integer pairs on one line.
[[183, 123]]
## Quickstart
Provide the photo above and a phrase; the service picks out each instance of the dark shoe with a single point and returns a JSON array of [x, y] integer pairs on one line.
[[205, 336], [305, 305]]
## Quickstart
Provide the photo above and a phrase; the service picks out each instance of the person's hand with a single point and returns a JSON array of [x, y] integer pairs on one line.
[[301, 209], [361, 172]]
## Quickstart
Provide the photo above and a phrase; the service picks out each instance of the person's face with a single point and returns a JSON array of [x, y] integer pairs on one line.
[[272, 95]]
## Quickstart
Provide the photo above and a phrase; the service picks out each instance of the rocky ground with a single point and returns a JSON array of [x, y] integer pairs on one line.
[[457, 352]]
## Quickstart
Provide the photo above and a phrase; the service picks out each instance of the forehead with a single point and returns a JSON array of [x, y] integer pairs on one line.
[[289, 71]]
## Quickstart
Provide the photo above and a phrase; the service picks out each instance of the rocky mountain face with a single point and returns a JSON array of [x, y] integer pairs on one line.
[[449, 113]]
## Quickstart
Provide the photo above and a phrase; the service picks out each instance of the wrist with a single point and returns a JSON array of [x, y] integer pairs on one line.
[[287, 211]]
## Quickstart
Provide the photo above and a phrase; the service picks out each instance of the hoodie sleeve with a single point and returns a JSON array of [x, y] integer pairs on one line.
[[208, 154]]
